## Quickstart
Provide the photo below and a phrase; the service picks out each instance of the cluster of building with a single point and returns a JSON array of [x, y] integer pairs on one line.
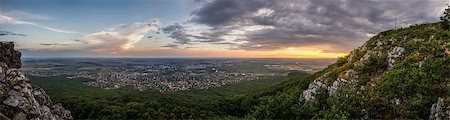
[[290, 67], [162, 77]]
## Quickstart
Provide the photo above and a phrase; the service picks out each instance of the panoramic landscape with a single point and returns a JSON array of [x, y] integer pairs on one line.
[[224, 59]]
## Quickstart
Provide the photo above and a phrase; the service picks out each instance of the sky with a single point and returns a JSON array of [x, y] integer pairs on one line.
[[204, 28]]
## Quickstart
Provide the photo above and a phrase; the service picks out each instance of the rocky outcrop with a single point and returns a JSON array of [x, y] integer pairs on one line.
[[394, 54], [9, 55], [309, 94], [359, 58], [440, 111], [19, 99], [336, 85], [396, 69]]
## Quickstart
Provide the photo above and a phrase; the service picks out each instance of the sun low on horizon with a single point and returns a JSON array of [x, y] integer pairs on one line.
[[203, 28]]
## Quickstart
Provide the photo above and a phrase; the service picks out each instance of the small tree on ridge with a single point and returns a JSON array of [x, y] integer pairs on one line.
[[445, 18]]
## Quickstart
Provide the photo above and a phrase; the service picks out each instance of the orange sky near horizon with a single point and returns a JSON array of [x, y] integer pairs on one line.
[[227, 53]]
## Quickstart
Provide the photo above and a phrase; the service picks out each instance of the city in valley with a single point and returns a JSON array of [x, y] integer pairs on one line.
[[167, 74]]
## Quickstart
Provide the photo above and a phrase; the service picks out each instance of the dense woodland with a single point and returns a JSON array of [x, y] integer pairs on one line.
[[234, 101]]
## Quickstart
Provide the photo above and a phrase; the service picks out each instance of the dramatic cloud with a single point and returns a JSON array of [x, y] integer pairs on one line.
[[340, 25], [53, 44], [178, 33], [182, 35], [11, 20], [4, 33], [174, 46], [120, 38]]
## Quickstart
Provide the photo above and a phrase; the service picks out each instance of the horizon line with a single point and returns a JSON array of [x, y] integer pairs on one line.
[[36, 57]]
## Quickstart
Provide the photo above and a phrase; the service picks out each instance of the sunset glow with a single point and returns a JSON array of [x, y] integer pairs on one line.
[[195, 28]]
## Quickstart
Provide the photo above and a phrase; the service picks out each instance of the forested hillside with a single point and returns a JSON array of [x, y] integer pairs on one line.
[[235, 100]]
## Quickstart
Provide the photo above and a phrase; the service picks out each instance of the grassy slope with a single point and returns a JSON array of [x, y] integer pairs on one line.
[[416, 87]]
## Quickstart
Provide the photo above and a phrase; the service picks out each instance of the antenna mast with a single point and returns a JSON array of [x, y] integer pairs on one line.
[[395, 27]]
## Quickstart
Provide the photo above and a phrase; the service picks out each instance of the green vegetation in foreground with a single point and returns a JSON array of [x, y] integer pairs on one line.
[[94, 103], [417, 79]]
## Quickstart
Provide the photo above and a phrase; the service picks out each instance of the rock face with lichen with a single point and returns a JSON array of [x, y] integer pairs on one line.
[[397, 74], [19, 99], [440, 111]]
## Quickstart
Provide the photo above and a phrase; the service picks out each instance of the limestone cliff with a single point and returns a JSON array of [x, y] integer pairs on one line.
[[19, 99]]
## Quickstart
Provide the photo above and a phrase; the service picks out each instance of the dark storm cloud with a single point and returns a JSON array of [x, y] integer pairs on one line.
[[225, 43], [80, 41], [171, 46], [177, 32], [343, 24], [53, 44], [4, 33], [181, 36], [223, 11]]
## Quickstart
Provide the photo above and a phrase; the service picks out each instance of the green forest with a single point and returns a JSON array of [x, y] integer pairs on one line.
[[232, 101]]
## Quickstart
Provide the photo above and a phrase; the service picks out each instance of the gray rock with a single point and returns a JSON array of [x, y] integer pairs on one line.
[[3, 68], [46, 113], [395, 101], [309, 94], [42, 97], [20, 116], [336, 85], [393, 55], [61, 112], [440, 111], [11, 101], [19, 99], [3, 117], [9, 55]]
